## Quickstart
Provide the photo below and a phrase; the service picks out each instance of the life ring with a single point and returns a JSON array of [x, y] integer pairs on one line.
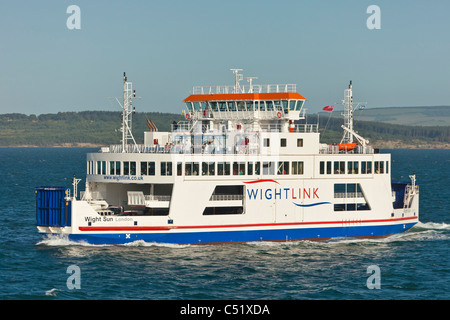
[[188, 116], [279, 115]]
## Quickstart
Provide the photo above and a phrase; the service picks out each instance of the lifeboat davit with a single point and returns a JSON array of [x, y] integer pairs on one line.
[[347, 146]]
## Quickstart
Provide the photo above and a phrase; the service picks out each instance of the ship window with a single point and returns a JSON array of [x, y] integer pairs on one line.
[[277, 105], [166, 168], [339, 167], [292, 105], [352, 167], [213, 106], [283, 167], [223, 168], [266, 142], [299, 105], [299, 142], [196, 106], [126, 168], [379, 166], [191, 168], [269, 105], [285, 105], [240, 105], [231, 106], [195, 169], [250, 106], [208, 168], [387, 166], [238, 168], [179, 168], [283, 142], [132, 168], [328, 167], [208, 211], [250, 168], [151, 168], [297, 167], [268, 168], [366, 167], [262, 106], [322, 167], [189, 106], [362, 206], [143, 168], [257, 167], [222, 106]]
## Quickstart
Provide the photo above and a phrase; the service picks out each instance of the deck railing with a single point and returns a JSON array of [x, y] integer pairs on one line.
[[254, 88]]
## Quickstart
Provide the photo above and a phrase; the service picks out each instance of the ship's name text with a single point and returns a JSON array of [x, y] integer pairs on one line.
[[283, 193]]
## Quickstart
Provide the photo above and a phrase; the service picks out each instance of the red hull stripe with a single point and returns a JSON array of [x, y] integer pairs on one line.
[[142, 228], [258, 181]]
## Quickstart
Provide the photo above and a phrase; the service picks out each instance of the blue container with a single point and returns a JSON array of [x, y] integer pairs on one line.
[[52, 210]]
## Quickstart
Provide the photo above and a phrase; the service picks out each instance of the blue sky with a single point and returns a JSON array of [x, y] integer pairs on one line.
[[166, 47]]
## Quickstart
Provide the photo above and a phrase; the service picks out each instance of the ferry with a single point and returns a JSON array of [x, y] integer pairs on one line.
[[244, 165]]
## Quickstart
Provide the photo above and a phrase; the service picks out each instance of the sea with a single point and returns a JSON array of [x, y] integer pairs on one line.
[[414, 265]]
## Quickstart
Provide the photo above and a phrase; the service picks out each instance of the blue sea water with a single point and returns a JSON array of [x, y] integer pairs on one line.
[[413, 265]]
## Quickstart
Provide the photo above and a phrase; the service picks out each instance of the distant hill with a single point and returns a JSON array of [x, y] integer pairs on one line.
[[410, 116], [101, 128], [76, 128]]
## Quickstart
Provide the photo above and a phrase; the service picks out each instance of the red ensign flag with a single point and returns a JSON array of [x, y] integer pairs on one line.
[[328, 108]]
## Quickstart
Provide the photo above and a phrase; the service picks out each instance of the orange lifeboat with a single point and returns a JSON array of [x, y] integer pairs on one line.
[[347, 146]]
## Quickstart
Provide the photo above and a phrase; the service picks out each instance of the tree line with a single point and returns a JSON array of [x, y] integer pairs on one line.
[[102, 128]]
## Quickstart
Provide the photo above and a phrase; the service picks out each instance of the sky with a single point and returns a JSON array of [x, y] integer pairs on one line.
[[167, 47]]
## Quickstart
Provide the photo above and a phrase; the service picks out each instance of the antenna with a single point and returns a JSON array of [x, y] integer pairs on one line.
[[238, 77], [250, 80]]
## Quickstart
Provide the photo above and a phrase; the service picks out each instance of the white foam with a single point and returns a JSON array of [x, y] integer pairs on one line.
[[52, 292], [433, 225], [142, 243]]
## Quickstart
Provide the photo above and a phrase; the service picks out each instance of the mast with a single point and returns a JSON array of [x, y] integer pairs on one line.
[[127, 111], [348, 114]]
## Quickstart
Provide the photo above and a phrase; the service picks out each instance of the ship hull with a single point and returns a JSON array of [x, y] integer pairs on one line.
[[246, 234]]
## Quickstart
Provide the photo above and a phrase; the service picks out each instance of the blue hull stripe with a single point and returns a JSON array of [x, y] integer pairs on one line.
[[243, 235]]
